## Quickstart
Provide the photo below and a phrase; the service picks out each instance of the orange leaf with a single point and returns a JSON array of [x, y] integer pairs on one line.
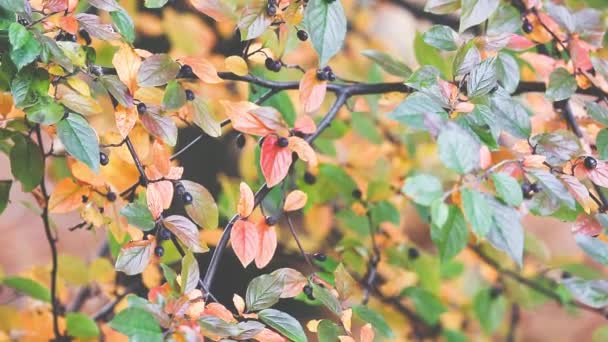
[[274, 160], [267, 335], [69, 24], [312, 91], [83, 173], [243, 120], [246, 201], [295, 200], [219, 311], [244, 240], [202, 68], [67, 196], [127, 64], [579, 191], [588, 225], [163, 188], [160, 157], [267, 244], [366, 334], [125, 119], [304, 151], [305, 124]]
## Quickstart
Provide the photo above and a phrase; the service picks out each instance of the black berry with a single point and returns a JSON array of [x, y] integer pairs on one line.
[[111, 196], [566, 275], [189, 95], [60, 37], [142, 108], [526, 189], [103, 158], [159, 251], [527, 26], [307, 289], [185, 72], [329, 74], [320, 257], [269, 62], [187, 198], [302, 35], [240, 140], [272, 65], [535, 188], [70, 37], [85, 198], [357, 193], [23, 21], [86, 36], [413, 253], [321, 75], [590, 163], [179, 188], [165, 234], [271, 220], [282, 142], [271, 10], [309, 178], [495, 292]]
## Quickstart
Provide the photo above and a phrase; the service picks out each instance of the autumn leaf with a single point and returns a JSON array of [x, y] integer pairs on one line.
[[268, 335], [366, 334], [295, 200], [127, 64], [304, 150], [246, 201], [274, 160], [67, 196], [186, 232], [244, 240], [312, 91], [305, 124], [216, 9], [244, 120], [267, 243], [598, 175], [135, 256], [125, 119], [160, 190], [587, 225], [236, 65], [203, 69], [579, 191], [269, 117], [160, 159], [293, 281]]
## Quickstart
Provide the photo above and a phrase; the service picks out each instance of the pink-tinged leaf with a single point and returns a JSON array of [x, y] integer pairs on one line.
[[579, 191], [244, 240], [216, 9], [203, 209], [267, 244], [267, 335], [312, 91], [160, 158], [56, 5], [162, 127], [269, 117], [246, 201], [293, 281], [157, 70], [243, 120], [305, 124], [125, 119], [599, 175], [203, 69], [135, 256], [579, 51], [162, 188], [303, 150], [520, 43], [274, 160], [485, 157], [92, 24], [366, 334], [154, 199], [186, 232], [588, 225], [219, 311], [295, 200]]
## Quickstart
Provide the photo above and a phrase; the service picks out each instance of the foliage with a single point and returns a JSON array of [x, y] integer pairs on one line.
[[502, 116]]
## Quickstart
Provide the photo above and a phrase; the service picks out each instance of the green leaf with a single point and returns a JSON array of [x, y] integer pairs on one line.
[[489, 310], [155, 3], [424, 77], [601, 141], [80, 140], [13, 5], [45, 111], [429, 55], [138, 214], [510, 115], [170, 276], [137, 324], [5, 189], [506, 19], [28, 287], [383, 211], [328, 331], [190, 273], [452, 237], [597, 112], [254, 21], [442, 6], [27, 164], [217, 326], [326, 24], [284, 324], [203, 209], [427, 305], [441, 37], [561, 85], [553, 187], [162, 127], [366, 314], [175, 96], [81, 326], [24, 47], [388, 63], [327, 298], [458, 150], [482, 78], [474, 12], [439, 212], [124, 24], [365, 126], [590, 292], [423, 189], [413, 110], [157, 70], [507, 71], [558, 146], [595, 248], [507, 188], [507, 233], [467, 57], [263, 292], [204, 119], [477, 210]]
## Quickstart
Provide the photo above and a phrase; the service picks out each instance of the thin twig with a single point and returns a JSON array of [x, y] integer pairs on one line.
[[295, 237], [373, 260], [515, 313]]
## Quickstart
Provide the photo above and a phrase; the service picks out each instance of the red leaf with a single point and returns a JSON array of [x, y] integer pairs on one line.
[[587, 225], [579, 51], [244, 240], [275, 160], [519, 43], [312, 91], [267, 244]]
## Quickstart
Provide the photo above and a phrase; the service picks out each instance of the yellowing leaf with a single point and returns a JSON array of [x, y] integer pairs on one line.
[[236, 65], [127, 64], [203, 69], [295, 200], [304, 151], [246, 201], [78, 103], [125, 119], [312, 91], [80, 86], [67, 196]]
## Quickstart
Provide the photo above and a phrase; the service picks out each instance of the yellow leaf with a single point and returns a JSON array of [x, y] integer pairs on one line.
[[236, 65], [80, 86], [127, 64], [246, 200], [67, 196], [239, 303]]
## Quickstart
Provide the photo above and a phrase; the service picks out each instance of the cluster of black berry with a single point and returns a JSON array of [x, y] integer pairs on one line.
[[185, 72], [273, 65], [63, 36], [185, 195], [326, 74]]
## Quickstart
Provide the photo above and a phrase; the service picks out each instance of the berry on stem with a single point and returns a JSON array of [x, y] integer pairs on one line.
[[307, 289], [413, 253], [357, 194], [142, 108], [282, 142], [527, 26], [302, 35], [159, 251], [590, 163], [103, 159], [165, 234], [271, 220], [185, 72], [111, 196], [189, 95], [309, 178], [187, 198], [320, 256], [85, 198], [240, 140]]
